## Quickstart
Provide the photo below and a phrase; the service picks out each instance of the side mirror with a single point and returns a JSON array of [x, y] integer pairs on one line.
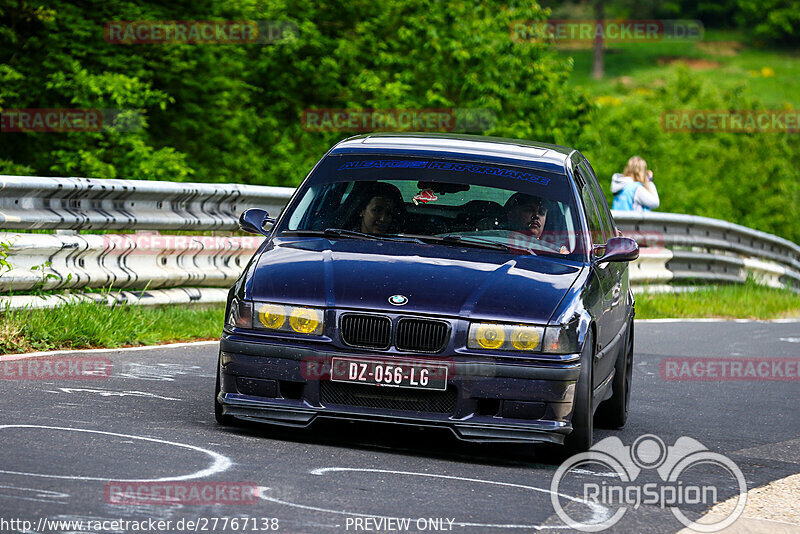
[[619, 249], [253, 220]]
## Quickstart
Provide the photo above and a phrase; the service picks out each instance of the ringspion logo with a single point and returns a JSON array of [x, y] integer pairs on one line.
[[623, 484]]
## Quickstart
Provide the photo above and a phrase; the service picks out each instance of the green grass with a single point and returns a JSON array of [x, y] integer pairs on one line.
[[88, 325], [747, 301], [772, 74]]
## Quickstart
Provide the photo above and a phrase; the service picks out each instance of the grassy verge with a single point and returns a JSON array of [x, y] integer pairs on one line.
[[88, 325], [747, 301], [722, 57]]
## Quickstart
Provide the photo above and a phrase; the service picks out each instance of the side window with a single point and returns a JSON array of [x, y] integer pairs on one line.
[[600, 200], [592, 218], [592, 215]]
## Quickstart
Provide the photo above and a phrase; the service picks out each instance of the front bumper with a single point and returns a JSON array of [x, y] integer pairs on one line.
[[487, 400]]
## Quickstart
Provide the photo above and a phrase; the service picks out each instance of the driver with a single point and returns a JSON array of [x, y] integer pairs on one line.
[[523, 213], [526, 213]]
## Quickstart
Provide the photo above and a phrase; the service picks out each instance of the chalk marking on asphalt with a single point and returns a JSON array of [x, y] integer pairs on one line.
[[221, 463], [606, 474], [599, 512], [45, 495], [163, 372], [12, 357], [109, 393]]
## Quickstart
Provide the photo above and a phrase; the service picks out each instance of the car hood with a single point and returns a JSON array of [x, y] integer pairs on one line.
[[440, 280]]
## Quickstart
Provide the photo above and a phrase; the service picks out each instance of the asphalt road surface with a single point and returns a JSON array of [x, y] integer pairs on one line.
[[66, 444]]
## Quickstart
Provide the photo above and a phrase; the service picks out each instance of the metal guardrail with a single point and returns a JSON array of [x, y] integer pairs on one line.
[[32, 202], [675, 249], [59, 261], [66, 260], [678, 248]]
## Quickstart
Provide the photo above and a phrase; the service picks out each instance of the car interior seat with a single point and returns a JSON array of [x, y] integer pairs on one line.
[[475, 211]]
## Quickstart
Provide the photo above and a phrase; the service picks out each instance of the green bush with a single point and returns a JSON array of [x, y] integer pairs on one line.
[[231, 113], [777, 21]]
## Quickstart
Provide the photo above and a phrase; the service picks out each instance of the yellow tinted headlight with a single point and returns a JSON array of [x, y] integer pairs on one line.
[[306, 320], [272, 316], [497, 336], [525, 338], [486, 336], [490, 336], [288, 318]]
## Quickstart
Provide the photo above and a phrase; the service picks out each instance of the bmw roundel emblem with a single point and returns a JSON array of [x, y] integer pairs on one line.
[[398, 300]]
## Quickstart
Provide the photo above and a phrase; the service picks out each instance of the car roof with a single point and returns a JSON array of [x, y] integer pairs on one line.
[[473, 147]]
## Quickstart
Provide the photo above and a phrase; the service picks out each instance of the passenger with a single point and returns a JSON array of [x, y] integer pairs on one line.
[[382, 214], [523, 213], [634, 189]]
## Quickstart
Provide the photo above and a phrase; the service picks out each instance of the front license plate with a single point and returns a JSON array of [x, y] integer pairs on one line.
[[384, 373]]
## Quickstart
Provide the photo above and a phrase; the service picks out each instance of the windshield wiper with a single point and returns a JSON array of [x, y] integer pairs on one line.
[[353, 234], [449, 239], [454, 239], [331, 232]]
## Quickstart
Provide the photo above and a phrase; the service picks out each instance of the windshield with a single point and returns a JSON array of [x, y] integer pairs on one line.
[[516, 210]]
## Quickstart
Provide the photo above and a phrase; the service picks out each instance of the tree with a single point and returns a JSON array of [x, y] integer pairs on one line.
[[597, 62], [233, 112]]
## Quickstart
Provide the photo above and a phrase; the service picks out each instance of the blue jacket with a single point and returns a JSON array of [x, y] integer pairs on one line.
[[623, 200], [630, 195]]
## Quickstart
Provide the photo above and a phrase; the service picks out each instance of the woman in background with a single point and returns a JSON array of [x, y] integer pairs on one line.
[[634, 189]]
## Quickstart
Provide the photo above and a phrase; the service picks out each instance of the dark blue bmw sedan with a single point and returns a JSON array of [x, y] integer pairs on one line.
[[478, 284]]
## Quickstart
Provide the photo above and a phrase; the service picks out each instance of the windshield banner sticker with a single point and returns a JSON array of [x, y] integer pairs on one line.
[[483, 169], [371, 164], [446, 166]]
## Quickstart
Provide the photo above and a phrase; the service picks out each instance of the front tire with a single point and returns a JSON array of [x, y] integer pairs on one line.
[[224, 420], [613, 413], [581, 437]]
